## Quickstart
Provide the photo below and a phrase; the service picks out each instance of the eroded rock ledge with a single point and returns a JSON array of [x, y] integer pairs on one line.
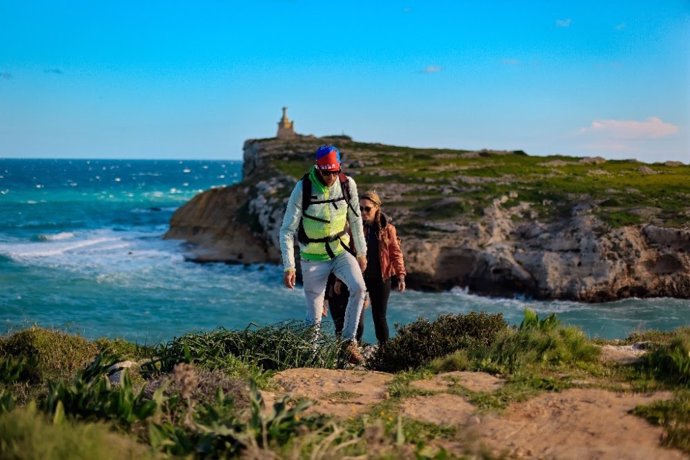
[[460, 226]]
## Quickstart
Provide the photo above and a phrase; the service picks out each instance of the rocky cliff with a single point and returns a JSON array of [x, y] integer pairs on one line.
[[497, 222]]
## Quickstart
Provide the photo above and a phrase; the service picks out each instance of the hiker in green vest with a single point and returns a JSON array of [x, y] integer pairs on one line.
[[322, 205]]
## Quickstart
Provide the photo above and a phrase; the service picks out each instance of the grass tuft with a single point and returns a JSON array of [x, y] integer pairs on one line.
[[539, 342], [670, 361], [674, 416], [274, 347]]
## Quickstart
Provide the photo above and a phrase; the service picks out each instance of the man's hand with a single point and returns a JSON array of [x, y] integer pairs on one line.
[[289, 279], [362, 262]]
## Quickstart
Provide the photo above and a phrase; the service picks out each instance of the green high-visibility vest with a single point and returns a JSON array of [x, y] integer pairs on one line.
[[322, 233]]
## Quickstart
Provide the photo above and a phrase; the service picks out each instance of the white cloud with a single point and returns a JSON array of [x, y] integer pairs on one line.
[[563, 22], [651, 128], [432, 69]]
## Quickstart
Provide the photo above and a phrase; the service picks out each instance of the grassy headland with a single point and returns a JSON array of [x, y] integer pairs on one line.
[[623, 192]]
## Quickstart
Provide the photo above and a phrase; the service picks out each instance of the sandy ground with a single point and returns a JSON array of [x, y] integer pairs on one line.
[[576, 424], [579, 423]]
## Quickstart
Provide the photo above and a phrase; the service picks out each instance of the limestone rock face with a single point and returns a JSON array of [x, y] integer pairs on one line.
[[212, 224], [506, 251]]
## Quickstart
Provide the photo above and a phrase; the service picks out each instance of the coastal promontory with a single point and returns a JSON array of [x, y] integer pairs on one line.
[[498, 223]]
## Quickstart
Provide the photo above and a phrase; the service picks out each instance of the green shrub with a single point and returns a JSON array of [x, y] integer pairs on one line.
[[671, 361], [49, 354], [26, 434], [123, 349], [418, 343], [540, 341]]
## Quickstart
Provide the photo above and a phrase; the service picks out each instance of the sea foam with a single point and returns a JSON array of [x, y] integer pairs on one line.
[[54, 236]]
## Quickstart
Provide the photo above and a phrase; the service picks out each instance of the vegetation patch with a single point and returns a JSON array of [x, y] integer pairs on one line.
[[200, 398], [551, 185], [90, 396], [343, 395], [670, 361], [418, 343], [123, 349], [275, 348], [674, 416], [47, 354], [539, 341], [29, 434]]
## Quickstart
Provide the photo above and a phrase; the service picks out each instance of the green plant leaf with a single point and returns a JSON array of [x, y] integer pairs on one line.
[[59, 415]]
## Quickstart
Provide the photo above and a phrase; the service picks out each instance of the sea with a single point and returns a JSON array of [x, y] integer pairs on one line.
[[82, 251]]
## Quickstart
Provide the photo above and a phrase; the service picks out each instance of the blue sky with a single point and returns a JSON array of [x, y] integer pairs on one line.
[[175, 79]]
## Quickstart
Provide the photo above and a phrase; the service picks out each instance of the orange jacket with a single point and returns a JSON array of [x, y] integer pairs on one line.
[[390, 254]]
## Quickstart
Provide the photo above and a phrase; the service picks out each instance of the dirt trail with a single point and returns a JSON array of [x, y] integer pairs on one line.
[[572, 424], [577, 424]]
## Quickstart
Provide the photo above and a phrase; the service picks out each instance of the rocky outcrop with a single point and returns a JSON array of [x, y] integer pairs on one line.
[[508, 249], [577, 258]]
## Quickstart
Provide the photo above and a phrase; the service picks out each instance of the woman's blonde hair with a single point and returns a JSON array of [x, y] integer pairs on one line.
[[376, 199], [373, 197]]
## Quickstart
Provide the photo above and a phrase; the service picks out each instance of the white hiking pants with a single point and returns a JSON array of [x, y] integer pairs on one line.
[[315, 277]]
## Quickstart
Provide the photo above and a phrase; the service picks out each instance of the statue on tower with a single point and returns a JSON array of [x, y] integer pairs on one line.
[[285, 127]]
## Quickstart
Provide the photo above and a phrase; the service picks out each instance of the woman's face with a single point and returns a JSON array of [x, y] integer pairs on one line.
[[368, 210]]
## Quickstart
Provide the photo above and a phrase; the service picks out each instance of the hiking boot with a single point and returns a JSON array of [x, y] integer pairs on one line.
[[352, 354]]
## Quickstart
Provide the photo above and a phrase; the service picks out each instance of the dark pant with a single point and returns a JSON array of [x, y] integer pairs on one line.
[[379, 292]]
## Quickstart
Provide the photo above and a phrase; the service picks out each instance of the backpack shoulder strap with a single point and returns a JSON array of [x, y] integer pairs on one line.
[[306, 192], [307, 200], [345, 185]]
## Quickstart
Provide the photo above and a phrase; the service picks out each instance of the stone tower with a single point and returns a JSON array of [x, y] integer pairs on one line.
[[285, 127]]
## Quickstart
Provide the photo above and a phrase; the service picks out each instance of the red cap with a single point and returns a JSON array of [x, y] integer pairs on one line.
[[328, 158]]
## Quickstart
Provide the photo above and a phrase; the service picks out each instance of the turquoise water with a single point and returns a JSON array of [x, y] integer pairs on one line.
[[81, 250]]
